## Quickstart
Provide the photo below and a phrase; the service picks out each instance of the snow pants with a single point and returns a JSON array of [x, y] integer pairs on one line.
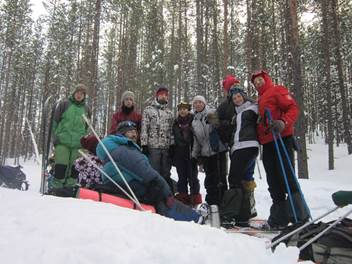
[[215, 177], [281, 211], [64, 159], [161, 162], [241, 162], [187, 172]]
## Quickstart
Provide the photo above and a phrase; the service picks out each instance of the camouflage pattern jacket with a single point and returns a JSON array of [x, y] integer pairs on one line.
[[157, 124]]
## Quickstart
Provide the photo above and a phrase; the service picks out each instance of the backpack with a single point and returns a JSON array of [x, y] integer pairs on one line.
[[13, 178], [335, 246]]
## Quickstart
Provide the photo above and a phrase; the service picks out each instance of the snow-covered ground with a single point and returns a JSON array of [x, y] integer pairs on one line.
[[44, 229]]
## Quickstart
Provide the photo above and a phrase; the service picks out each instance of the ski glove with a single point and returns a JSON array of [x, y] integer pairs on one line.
[[277, 125], [342, 198]]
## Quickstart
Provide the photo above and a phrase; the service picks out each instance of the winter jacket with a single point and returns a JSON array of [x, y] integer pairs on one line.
[[282, 106], [245, 121], [123, 115], [157, 123], [183, 134], [68, 124], [225, 112], [206, 138], [133, 165]]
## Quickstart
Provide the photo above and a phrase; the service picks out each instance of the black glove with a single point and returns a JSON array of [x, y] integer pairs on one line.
[[145, 150], [277, 125]]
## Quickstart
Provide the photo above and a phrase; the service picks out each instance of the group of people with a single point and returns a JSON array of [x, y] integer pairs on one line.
[[146, 146]]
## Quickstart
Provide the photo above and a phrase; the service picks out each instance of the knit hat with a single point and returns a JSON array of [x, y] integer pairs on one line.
[[89, 142], [184, 105], [199, 98], [125, 126], [161, 89], [80, 87], [229, 81], [127, 94], [236, 90]]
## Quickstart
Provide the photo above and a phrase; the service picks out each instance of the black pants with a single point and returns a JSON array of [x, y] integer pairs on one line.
[[274, 174], [187, 172], [215, 177], [161, 162], [241, 160]]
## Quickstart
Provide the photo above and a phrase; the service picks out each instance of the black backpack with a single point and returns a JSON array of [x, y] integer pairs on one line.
[[13, 178], [335, 246]]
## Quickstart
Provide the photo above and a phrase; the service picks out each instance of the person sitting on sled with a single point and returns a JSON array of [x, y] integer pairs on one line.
[[88, 176], [146, 183], [284, 111]]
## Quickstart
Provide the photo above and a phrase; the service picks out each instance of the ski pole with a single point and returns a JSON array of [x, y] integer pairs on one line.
[[294, 174], [112, 160], [268, 114], [325, 230], [260, 174], [107, 176], [273, 244]]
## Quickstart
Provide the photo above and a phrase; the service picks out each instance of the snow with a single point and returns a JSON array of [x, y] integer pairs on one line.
[[44, 229]]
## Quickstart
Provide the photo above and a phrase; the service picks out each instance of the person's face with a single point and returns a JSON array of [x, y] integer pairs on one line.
[[198, 106], [237, 99], [183, 112], [163, 97], [79, 96], [132, 134], [258, 82], [128, 102]]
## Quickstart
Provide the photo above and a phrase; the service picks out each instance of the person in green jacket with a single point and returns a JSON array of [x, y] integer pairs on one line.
[[68, 128]]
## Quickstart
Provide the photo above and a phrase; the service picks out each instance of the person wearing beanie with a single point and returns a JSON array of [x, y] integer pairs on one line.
[[127, 112], [209, 151], [146, 183], [156, 134], [237, 200], [68, 128], [284, 113], [88, 176], [186, 167]]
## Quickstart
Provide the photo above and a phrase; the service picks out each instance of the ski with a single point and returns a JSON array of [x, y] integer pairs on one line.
[[47, 120], [253, 232]]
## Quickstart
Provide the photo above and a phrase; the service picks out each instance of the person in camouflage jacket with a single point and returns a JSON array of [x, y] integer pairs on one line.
[[156, 135]]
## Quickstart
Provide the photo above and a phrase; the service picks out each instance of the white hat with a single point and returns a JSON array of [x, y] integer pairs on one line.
[[199, 98], [127, 94]]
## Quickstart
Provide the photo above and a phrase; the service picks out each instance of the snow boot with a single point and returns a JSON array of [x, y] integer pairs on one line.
[[279, 215], [231, 204], [300, 209], [183, 197], [249, 186], [245, 210]]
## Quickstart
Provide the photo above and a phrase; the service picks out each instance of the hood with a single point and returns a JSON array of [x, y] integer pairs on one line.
[[267, 79]]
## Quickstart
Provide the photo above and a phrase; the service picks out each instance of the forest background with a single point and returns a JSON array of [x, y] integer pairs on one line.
[[188, 45]]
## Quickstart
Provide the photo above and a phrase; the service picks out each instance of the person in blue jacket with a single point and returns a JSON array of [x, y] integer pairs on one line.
[[147, 184]]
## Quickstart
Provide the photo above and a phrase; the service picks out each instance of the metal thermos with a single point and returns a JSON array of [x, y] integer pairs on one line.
[[214, 216]]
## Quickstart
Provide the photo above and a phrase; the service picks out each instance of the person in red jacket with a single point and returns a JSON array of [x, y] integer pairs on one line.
[[126, 113], [284, 112]]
